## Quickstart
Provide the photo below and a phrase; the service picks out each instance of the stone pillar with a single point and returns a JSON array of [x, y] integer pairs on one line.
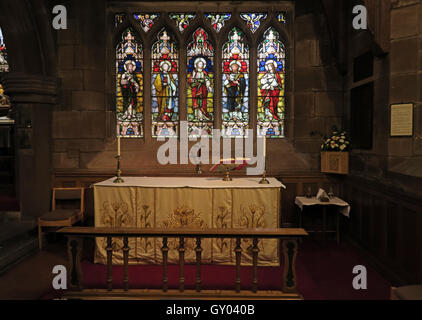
[[32, 98]]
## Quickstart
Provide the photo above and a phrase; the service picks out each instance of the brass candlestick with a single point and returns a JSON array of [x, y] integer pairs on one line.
[[198, 169], [264, 174], [227, 177], [118, 171], [198, 166], [264, 178]]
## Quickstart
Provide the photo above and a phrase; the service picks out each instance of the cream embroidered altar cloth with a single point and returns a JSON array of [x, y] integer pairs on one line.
[[196, 202]]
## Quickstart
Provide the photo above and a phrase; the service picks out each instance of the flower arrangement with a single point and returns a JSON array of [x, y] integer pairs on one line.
[[338, 141]]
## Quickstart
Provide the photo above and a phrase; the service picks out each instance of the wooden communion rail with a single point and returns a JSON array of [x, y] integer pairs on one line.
[[289, 238]]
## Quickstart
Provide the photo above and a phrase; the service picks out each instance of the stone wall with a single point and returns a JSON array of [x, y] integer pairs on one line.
[[405, 154], [397, 79]]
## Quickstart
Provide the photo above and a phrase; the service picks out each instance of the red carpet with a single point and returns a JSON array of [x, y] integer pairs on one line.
[[323, 269]]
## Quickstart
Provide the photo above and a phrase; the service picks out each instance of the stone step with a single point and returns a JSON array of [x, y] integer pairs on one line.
[[16, 251], [11, 230]]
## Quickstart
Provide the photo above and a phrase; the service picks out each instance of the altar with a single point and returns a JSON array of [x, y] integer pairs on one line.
[[195, 202]]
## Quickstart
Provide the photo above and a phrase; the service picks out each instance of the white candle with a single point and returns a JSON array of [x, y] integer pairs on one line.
[[265, 146], [118, 145]]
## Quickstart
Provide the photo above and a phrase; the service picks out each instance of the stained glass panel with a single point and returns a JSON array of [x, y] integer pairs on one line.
[[217, 19], [281, 17], [129, 86], [4, 66], [271, 85], [164, 86], [253, 20], [235, 80], [200, 85], [182, 20], [118, 18], [146, 20]]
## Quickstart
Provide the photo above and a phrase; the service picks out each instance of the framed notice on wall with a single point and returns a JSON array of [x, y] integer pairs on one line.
[[401, 120]]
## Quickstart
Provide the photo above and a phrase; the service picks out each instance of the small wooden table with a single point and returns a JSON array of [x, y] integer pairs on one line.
[[334, 201]]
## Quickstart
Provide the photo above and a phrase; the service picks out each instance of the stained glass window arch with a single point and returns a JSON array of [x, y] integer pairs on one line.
[[4, 65], [271, 73], [200, 84], [168, 61], [129, 85], [235, 84], [165, 85]]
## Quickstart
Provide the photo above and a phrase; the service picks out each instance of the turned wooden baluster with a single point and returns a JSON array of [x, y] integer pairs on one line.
[[74, 249], [198, 250], [238, 250], [109, 250], [125, 263], [255, 251], [289, 272], [182, 264], [165, 250]]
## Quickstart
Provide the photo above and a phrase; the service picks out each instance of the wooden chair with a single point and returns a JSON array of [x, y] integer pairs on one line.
[[63, 212]]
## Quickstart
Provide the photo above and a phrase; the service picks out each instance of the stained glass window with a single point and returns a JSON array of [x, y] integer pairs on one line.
[[4, 66], [217, 19], [182, 20], [164, 86], [118, 18], [253, 20], [271, 85], [200, 85], [146, 20], [235, 85], [281, 17], [129, 85]]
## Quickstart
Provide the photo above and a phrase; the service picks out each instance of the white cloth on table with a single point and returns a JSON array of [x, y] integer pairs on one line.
[[344, 206], [192, 182]]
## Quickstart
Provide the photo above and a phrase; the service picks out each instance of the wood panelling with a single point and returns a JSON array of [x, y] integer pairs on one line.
[[410, 241], [387, 223], [391, 235]]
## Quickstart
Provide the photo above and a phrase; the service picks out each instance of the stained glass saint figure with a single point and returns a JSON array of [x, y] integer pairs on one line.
[[271, 86], [165, 111], [130, 87], [200, 85], [165, 88], [129, 84], [235, 80]]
